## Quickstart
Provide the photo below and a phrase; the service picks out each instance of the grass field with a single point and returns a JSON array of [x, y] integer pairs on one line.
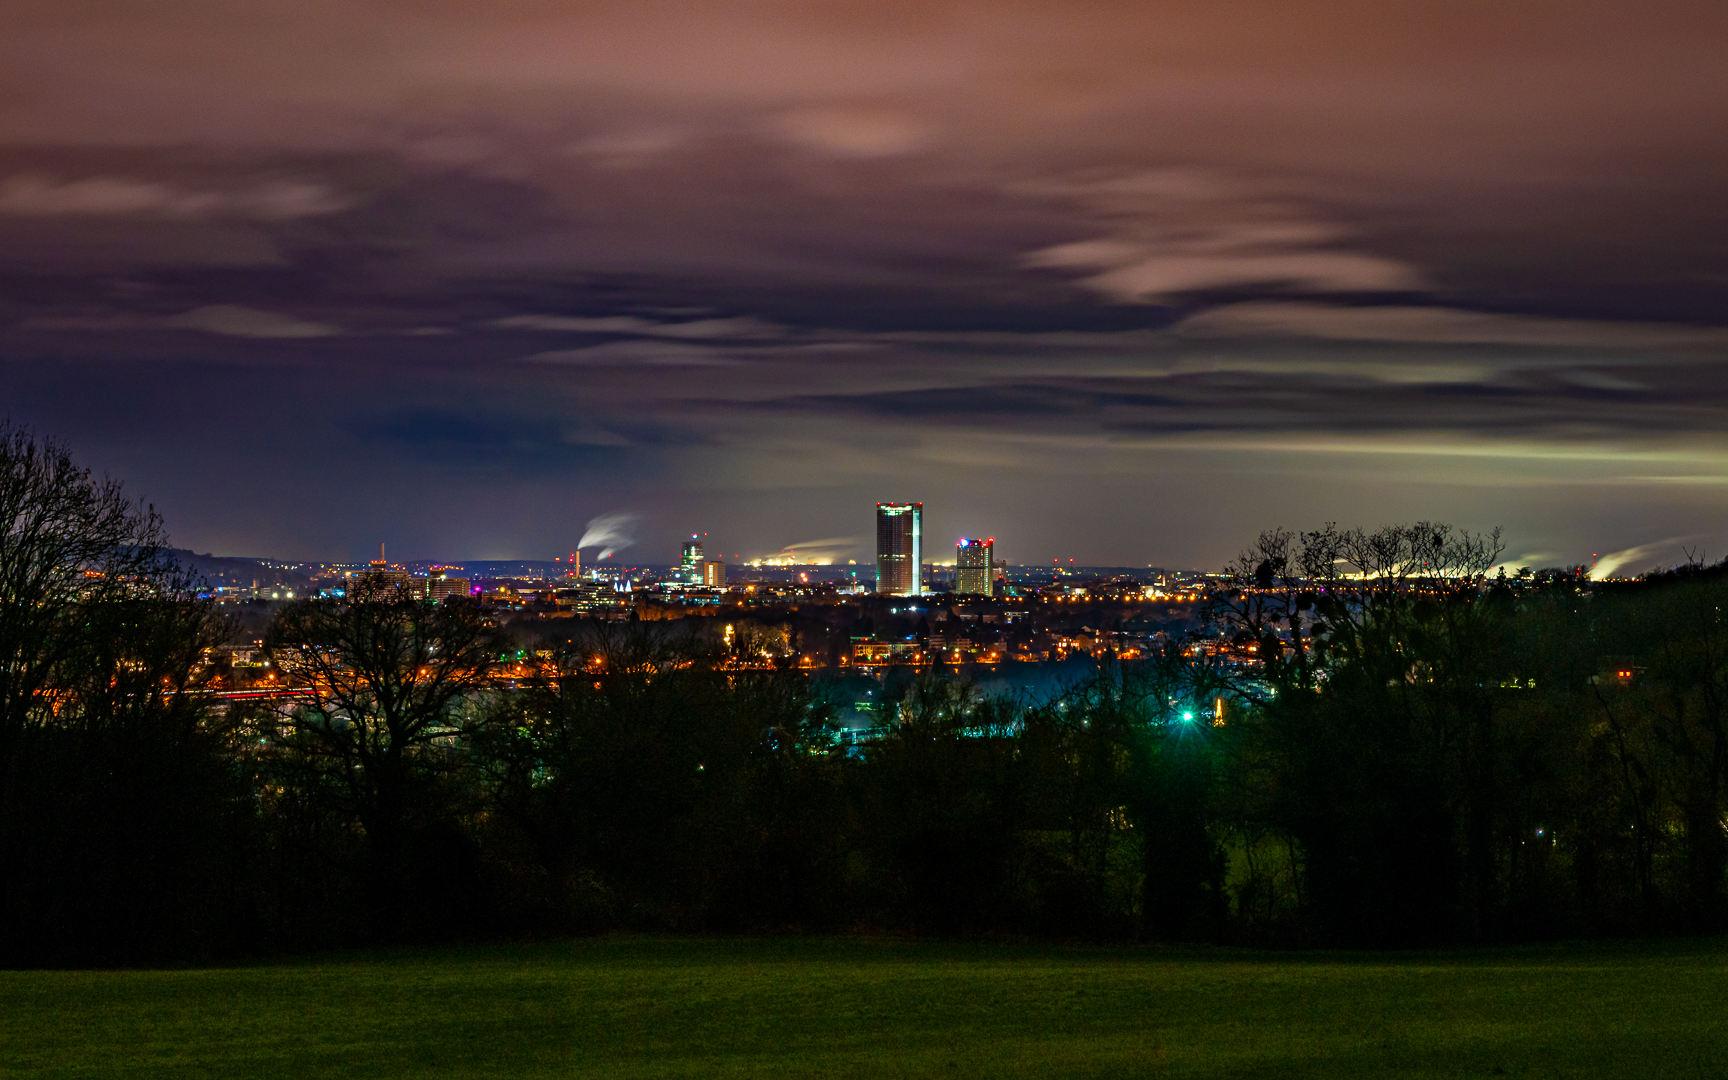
[[637, 1007]]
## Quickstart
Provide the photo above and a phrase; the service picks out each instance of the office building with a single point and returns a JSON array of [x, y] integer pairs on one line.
[[974, 567], [439, 586], [378, 581], [714, 573], [690, 566], [900, 549]]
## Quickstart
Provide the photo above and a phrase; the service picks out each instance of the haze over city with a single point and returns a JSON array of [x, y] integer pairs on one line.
[[1123, 283]]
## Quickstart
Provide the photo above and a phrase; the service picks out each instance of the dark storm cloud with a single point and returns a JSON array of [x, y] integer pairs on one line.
[[1603, 401], [765, 258], [464, 440], [1325, 369]]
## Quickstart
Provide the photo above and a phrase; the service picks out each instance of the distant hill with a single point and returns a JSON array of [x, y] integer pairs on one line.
[[235, 570]]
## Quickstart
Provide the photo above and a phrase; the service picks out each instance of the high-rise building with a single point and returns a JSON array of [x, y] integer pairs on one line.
[[690, 567], [900, 549], [377, 581], [438, 586], [714, 572], [974, 567]]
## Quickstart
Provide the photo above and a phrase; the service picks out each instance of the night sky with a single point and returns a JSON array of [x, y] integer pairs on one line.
[[1121, 282]]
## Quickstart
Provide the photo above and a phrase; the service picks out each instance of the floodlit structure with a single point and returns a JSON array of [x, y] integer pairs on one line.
[[439, 586], [900, 549], [377, 580], [690, 567], [975, 567]]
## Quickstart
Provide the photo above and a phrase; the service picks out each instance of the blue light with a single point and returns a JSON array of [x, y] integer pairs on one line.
[[1187, 718]]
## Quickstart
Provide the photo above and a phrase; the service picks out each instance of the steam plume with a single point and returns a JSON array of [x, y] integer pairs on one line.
[[610, 533], [1614, 560]]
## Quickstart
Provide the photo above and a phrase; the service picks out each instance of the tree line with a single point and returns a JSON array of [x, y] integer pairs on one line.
[[1380, 740]]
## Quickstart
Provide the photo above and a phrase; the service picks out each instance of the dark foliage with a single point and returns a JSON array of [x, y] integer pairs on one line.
[[1377, 743], [122, 819]]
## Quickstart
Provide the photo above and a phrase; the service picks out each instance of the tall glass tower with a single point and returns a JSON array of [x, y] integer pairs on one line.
[[900, 549], [690, 567], [974, 569]]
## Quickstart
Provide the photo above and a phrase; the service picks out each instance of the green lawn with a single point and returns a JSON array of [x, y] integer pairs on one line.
[[634, 1007]]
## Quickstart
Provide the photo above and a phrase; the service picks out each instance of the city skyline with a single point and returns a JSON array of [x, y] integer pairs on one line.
[[1123, 283]]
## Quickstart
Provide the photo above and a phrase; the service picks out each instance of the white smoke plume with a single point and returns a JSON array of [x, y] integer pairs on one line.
[[1614, 560], [824, 552], [610, 533]]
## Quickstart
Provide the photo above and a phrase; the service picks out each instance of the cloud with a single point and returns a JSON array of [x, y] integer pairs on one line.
[[1536, 403], [1151, 272], [1183, 231], [851, 131], [503, 441], [109, 196], [1436, 325], [636, 354], [611, 533], [228, 320], [868, 167], [697, 329], [233, 320], [631, 148]]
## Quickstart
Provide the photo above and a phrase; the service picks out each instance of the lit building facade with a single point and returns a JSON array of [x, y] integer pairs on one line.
[[900, 549], [714, 573], [690, 567], [378, 581], [868, 652], [975, 567], [438, 586]]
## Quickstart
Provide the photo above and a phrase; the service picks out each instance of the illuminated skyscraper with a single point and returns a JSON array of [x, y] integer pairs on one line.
[[974, 567], [690, 568], [437, 586], [900, 549], [378, 580]]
